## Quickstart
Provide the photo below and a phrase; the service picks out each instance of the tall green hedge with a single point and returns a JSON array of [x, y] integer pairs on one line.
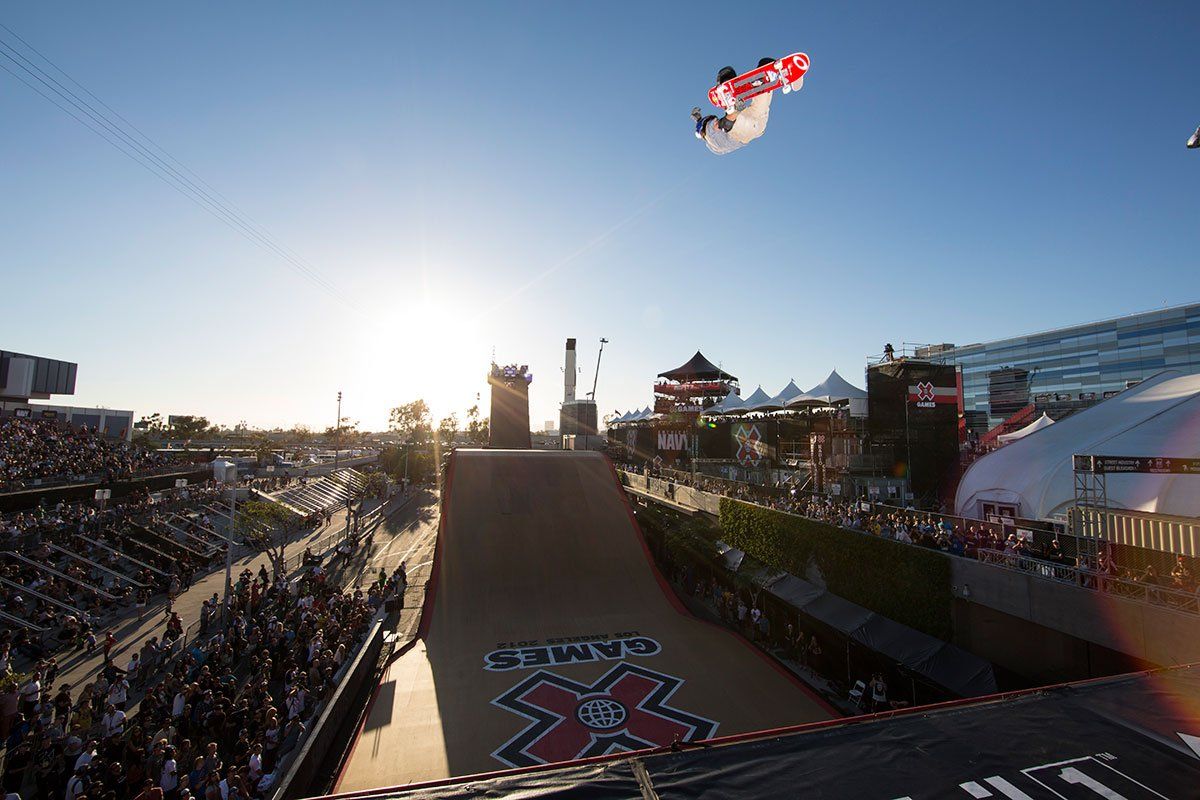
[[908, 584]]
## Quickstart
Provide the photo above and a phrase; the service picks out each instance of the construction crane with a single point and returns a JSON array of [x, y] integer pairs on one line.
[[595, 380]]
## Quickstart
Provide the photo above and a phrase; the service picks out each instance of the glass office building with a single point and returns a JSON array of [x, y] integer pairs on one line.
[[1062, 370]]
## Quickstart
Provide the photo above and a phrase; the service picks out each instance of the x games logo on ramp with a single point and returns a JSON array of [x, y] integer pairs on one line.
[[625, 709]]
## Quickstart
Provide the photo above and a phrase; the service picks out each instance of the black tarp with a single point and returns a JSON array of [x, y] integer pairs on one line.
[[794, 591], [837, 612], [1120, 737], [698, 368], [961, 672]]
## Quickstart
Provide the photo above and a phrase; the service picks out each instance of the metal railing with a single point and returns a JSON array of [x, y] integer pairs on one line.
[[1094, 580]]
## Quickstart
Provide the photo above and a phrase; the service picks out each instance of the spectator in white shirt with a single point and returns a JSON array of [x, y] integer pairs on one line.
[[113, 721]]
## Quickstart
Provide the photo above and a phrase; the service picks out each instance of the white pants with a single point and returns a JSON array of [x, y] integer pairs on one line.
[[751, 123]]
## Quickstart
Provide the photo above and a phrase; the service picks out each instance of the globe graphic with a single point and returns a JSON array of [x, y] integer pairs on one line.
[[601, 713]]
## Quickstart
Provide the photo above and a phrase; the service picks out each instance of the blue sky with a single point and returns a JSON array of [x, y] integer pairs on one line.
[[507, 175]]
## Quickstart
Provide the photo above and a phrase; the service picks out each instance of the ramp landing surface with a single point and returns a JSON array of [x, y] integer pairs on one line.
[[549, 636]]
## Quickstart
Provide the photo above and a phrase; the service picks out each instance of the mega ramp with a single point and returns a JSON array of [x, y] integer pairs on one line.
[[549, 636]]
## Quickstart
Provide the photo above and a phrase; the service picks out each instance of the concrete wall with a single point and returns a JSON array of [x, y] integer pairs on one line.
[[1146, 631]]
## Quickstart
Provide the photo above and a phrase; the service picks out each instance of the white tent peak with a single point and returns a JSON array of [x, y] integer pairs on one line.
[[758, 397], [725, 405], [834, 389], [1033, 427]]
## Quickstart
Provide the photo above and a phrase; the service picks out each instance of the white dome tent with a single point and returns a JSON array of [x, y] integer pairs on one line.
[[1160, 417]]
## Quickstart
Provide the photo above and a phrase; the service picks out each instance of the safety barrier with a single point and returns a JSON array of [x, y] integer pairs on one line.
[[1094, 580]]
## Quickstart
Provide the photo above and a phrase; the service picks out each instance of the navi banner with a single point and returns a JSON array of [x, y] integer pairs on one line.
[[672, 443]]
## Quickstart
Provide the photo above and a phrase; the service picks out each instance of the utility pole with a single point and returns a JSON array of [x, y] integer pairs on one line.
[[337, 452], [596, 379], [226, 474]]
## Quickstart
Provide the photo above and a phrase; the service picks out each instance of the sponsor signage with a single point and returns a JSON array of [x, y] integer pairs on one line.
[[570, 650], [627, 708], [673, 441], [751, 449], [925, 395], [1145, 465]]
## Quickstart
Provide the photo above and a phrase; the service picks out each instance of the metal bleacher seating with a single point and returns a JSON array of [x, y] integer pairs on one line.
[[323, 494]]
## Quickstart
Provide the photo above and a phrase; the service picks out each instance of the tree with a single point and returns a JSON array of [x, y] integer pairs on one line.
[[263, 449], [349, 430], [188, 427], [447, 428], [477, 429], [268, 524], [411, 421]]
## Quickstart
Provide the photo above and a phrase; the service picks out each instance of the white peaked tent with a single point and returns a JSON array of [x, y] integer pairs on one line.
[[1160, 417], [1033, 427], [757, 398], [620, 418], [730, 400], [834, 389], [645, 413], [779, 401]]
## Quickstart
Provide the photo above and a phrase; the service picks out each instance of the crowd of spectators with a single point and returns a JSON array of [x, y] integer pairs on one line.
[[993, 542], [42, 449], [216, 721], [108, 583]]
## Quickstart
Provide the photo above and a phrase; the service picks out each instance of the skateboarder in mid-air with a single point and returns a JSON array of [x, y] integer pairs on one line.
[[737, 128]]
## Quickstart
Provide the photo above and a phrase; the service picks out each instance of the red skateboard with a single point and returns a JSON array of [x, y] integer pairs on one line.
[[787, 73]]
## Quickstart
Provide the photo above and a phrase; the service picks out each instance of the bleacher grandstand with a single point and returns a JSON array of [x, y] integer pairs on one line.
[[323, 494], [73, 568]]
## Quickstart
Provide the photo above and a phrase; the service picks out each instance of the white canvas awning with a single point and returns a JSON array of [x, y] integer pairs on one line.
[[1039, 423]]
